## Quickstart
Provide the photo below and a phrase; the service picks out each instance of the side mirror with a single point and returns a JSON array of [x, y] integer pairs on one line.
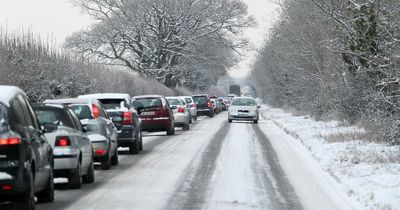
[[48, 128], [174, 107], [139, 110]]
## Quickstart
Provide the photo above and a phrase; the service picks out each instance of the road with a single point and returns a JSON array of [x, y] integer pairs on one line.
[[215, 165]]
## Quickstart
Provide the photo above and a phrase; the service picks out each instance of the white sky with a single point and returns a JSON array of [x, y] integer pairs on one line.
[[58, 19]]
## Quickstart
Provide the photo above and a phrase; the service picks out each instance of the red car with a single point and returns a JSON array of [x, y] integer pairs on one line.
[[155, 113]]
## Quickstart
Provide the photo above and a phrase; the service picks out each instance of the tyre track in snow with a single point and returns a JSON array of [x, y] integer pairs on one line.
[[193, 188], [282, 194]]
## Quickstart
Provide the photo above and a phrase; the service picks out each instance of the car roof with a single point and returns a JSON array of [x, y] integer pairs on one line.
[[59, 106], [200, 95], [244, 97], [106, 96], [69, 101], [147, 96], [8, 93]]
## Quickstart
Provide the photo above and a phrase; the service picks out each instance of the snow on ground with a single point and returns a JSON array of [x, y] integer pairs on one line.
[[367, 172]]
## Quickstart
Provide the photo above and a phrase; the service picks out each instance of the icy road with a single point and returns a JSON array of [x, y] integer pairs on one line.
[[215, 165]]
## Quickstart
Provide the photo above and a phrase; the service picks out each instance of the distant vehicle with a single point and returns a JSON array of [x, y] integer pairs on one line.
[[71, 147], [204, 106], [181, 112], [216, 105], [99, 128], [26, 158], [126, 119], [243, 108], [224, 106], [234, 89], [191, 105], [155, 113]]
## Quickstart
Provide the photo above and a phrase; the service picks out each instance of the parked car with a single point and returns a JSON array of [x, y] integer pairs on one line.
[[204, 106], [155, 113], [99, 128], [26, 158], [243, 108], [181, 112], [72, 150], [191, 105], [126, 119]]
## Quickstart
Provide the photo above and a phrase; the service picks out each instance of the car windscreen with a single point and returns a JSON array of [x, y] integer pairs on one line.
[[144, 103], [200, 99], [3, 117], [114, 103], [188, 100], [243, 102], [173, 101], [82, 111], [52, 116]]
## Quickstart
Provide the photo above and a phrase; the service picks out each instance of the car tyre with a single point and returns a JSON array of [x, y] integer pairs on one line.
[[255, 121], [134, 147], [229, 120], [89, 177], [186, 127], [75, 178], [27, 201], [141, 141], [195, 118], [106, 164], [211, 115], [47, 195], [114, 159], [171, 130]]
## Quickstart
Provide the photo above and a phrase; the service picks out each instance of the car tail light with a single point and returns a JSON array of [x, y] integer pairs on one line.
[[10, 141], [63, 142], [194, 106], [7, 187], [100, 152], [95, 111], [126, 118], [181, 110], [209, 104]]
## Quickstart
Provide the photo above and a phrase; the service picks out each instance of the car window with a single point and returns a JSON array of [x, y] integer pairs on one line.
[[81, 111], [146, 102], [114, 103], [53, 116], [173, 101], [200, 99], [188, 100], [75, 120], [25, 111], [3, 117], [33, 115], [243, 102]]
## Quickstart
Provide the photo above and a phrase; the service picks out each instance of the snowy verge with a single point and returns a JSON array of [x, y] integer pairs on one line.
[[366, 173]]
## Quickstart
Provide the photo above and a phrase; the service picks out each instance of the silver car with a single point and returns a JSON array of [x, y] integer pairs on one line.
[[181, 112], [191, 105], [243, 108], [99, 128], [72, 150]]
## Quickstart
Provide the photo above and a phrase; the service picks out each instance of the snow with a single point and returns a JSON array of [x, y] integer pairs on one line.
[[5, 176], [366, 174], [7, 93]]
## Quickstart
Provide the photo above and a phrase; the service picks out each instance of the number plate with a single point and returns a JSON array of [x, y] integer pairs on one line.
[[243, 115], [147, 113]]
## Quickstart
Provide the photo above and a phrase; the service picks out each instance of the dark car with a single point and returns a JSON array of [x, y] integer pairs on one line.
[[204, 105], [125, 118], [26, 158], [155, 113]]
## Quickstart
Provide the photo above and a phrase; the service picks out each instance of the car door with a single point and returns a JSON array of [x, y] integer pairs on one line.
[[43, 150], [111, 129], [83, 140]]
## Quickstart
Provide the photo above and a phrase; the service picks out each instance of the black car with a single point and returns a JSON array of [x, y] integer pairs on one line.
[[125, 118], [204, 105], [26, 158]]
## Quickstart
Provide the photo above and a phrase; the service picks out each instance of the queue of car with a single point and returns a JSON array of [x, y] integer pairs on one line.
[[66, 137]]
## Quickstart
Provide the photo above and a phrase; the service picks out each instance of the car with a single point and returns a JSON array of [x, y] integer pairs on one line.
[[243, 108], [224, 106], [126, 119], [216, 105], [26, 158], [204, 106], [98, 125], [155, 113], [72, 150], [191, 105], [181, 112]]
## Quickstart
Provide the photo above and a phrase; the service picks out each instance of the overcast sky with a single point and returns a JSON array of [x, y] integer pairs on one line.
[[58, 19]]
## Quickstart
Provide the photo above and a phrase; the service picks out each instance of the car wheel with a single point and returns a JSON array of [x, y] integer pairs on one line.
[[255, 121], [171, 130], [195, 118], [114, 159], [27, 200], [75, 178], [47, 195], [89, 177], [186, 127], [134, 147], [106, 164], [141, 141], [229, 120], [211, 115]]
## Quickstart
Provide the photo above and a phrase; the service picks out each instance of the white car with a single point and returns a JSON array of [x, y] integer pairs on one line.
[[181, 112], [72, 149], [191, 105], [243, 108]]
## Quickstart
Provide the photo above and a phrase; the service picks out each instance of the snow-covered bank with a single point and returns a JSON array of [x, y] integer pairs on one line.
[[367, 173]]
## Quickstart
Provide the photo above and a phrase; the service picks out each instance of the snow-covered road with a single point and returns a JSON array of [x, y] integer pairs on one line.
[[215, 165]]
